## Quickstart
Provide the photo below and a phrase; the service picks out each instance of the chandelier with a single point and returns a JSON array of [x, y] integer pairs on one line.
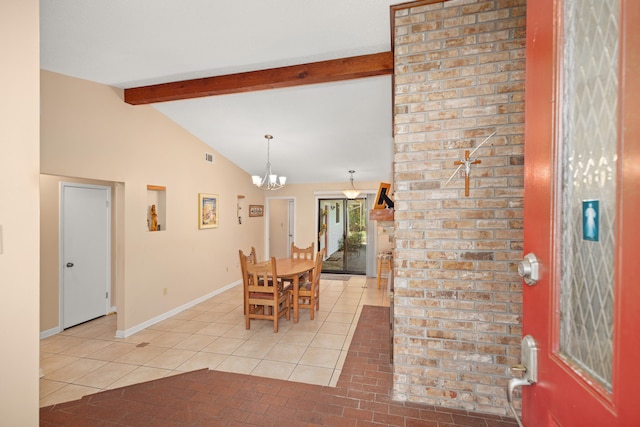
[[270, 181], [351, 193]]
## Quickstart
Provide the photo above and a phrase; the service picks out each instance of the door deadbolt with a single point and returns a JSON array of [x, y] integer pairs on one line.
[[529, 269]]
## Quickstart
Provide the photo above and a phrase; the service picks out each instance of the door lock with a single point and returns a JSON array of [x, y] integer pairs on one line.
[[529, 269], [529, 368]]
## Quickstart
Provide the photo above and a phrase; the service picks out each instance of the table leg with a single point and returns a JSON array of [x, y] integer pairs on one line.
[[296, 288]]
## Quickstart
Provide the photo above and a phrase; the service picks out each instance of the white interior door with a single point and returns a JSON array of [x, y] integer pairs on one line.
[[280, 226], [85, 253]]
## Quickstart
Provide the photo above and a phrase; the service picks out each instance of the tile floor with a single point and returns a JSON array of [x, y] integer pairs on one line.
[[361, 397], [88, 358]]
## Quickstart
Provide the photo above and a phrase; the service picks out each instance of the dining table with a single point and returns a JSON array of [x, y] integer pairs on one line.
[[292, 269]]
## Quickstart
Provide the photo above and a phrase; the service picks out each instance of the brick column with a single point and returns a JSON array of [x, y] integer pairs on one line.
[[460, 70]]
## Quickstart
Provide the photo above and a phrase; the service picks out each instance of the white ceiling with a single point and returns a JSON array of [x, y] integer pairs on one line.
[[320, 131]]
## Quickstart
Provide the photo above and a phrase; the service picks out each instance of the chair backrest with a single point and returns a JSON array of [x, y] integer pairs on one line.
[[246, 259], [261, 277], [317, 269], [301, 253]]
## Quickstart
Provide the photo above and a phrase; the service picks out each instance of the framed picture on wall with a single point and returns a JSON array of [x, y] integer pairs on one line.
[[256, 210], [207, 210]]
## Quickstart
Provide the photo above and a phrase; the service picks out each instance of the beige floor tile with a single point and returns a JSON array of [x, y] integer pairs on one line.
[[331, 341], [320, 357], [240, 331], [112, 351], [286, 353], [202, 360], [215, 329], [146, 335], [105, 375], [209, 316], [141, 355], [190, 327], [71, 372], [169, 339], [293, 337], [306, 324], [255, 349], [274, 369], [67, 393], [188, 314], [224, 345], [232, 319], [58, 343], [170, 359], [139, 375], [344, 309], [238, 364], [335, 377], [335, 328], [311, 375], [168, 324], [195, 342], [48, 386], [342, 317], [55, 362], [87, 347]]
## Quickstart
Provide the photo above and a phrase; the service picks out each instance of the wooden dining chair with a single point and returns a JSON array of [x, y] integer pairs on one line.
[[301, 253], [298, 253], [265, 297], [244, 260], [309, 291]]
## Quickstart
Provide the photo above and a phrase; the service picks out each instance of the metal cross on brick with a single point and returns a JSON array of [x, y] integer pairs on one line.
[[467, 162]]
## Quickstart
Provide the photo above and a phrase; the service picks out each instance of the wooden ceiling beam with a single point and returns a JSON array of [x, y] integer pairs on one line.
[[334, 70]]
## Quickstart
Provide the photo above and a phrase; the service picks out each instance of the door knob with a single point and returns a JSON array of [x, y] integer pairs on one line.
[[529, 269]]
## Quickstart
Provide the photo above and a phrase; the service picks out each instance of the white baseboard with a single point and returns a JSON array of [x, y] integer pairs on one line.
[[161, 317], [128, 332], [50, 332]]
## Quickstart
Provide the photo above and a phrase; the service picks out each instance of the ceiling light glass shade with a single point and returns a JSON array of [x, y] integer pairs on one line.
[[351, 193], [269, 181]]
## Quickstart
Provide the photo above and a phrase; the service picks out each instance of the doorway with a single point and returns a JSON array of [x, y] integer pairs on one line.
[[281, 226], [342, 225], [85, 252]]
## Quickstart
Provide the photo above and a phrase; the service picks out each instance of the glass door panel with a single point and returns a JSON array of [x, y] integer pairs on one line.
[[342, 232]]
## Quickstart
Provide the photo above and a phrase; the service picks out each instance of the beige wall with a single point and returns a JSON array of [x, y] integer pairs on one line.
[[19, 112], [89, 132]]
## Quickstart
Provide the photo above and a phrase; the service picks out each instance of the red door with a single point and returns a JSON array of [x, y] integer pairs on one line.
[[582, 212]]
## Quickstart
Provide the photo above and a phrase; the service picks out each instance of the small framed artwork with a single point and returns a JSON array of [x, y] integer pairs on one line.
[[207, 210], [382, 199], [256, 210]]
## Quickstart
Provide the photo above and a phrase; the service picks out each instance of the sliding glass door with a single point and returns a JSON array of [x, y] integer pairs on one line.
[[342, 226]]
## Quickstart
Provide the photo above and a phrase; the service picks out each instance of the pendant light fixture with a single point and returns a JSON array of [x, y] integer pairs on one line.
[[351, 193], [269, 181]]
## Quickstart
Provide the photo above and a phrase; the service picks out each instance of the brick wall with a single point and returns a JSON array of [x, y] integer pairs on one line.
[[460, 69]]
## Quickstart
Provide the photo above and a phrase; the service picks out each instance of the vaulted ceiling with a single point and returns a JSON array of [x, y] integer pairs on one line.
[[320, 130]]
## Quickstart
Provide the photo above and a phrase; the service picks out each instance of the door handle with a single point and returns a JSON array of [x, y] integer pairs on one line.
[[529, 269], [69, 264], [511, 386], [529, 367]]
